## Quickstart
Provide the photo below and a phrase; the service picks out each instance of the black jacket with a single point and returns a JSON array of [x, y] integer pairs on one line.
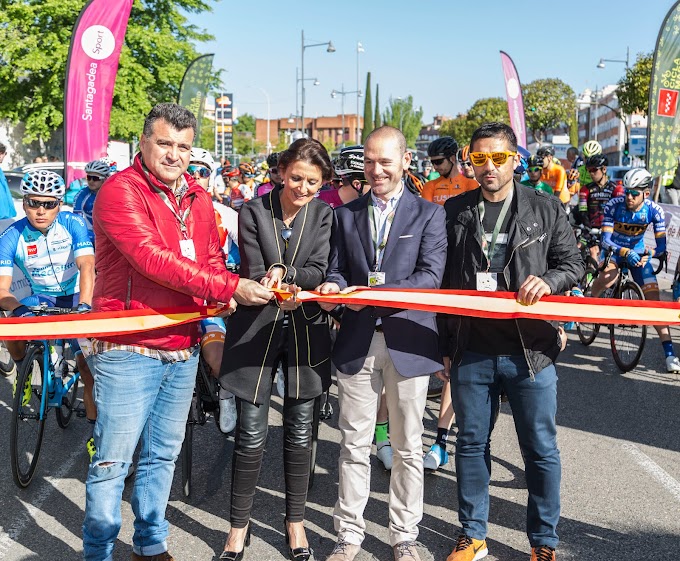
[[540, 243]]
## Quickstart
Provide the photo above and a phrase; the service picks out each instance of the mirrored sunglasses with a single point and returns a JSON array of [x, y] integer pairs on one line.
[[49, 205], [202, 171], [535, 169], [633, 192], [498, 158]]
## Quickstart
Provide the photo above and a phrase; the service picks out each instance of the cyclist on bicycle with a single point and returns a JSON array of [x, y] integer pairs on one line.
[[97, 171], [625, 221], [553, 173], [590, 149], [54, 251], [534, 170], [443, 154]]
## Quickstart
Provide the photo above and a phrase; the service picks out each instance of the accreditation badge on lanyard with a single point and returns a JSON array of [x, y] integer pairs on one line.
[[186, 245], [486, 280], [376, 277]]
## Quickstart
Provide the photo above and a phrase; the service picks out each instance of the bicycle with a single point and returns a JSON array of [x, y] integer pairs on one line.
[[587, 332], [44, 381]]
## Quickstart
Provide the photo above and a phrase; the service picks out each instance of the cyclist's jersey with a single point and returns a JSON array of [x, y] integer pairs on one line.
[[443, 188], [623, 230], [83, 206], [555, 176], [540, 186], [592, 198], [48, 261], [227, 228]]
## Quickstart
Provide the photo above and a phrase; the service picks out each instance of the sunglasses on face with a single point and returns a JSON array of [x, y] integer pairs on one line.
[[466, 164], [202, 172], [94, 178], [438, 161], [498, 158], [535, 169], [633, 192], [273, 170], [593, 170], [48, 205]]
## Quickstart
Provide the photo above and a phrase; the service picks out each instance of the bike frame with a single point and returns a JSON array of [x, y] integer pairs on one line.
[[51, 383]]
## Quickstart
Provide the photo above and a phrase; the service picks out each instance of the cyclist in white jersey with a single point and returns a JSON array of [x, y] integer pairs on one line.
[[54, 252]]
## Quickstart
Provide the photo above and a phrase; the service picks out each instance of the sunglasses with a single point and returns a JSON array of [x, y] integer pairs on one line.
[[286, 234], [48, 205], [438, 161], [535, 169], [593, 170], [202, 172], [273, 170], [633, 192], [466, 164], [94, 178], [498, 158]]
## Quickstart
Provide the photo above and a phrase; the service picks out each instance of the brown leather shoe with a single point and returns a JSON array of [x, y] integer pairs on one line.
[[165, 556], [405, 551], [344, 551]]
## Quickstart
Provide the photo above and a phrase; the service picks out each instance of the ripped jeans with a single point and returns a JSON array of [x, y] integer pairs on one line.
[[145, 400]]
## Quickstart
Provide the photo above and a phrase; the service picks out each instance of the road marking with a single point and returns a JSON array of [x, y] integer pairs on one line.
[[654, 469], [51, 483]]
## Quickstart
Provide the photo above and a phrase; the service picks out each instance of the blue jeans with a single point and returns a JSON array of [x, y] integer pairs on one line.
[[139, 399], [476, 384]]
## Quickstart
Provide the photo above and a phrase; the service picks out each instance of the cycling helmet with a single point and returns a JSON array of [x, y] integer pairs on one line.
[[573, 175], [597, 161], [464, 154], [203, 157], [43, 182], [535, 161], [247, 169], [545, 151], [414, 182], [591, 148], [637, 178], [413, 166], [98, 167], [350, 162], [113, 167], [444, 146], [273, 159]]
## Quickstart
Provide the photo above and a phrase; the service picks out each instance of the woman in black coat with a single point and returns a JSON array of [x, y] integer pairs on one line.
[[284, 240]]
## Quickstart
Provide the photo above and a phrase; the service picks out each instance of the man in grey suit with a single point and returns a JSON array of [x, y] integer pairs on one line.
[[389, 238]]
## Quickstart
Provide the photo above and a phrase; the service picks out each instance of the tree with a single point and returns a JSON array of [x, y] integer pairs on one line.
[[400, 114], [368, 110], [486, 110], [207, 140], [633, 91], [548, 103], [34, 42], [378, 117], [245, 123]]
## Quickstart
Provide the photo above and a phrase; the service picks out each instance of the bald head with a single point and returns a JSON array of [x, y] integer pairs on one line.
[[388, 132], [385, 161]]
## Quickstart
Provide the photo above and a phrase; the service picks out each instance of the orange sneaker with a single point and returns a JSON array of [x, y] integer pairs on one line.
[[468, 549], [542, 553]]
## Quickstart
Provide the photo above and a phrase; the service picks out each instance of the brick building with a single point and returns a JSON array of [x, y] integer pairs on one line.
[[321, 128]]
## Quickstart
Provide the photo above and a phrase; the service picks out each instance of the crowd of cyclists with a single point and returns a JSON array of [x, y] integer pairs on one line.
[[54, 248]]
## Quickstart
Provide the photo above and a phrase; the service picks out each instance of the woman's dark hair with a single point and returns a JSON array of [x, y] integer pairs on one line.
[[310, 151]]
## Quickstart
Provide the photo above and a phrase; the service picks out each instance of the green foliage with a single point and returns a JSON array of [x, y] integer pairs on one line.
[[246, 123], [282, 142], [368, 110], [573, 131], [401, 115], [378, 117], [329, 145], [633, 91], [246, 145], [548, 103], [487, 110], [207, 140], [34, 42]]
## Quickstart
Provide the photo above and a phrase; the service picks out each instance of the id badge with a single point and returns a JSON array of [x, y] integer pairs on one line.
[[187, 248], [376, 278], [487, 282]]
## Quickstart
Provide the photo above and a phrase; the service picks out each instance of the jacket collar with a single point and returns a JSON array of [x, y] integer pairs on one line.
[[152, 181]]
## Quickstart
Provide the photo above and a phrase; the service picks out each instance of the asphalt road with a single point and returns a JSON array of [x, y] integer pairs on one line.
[[619, 437]]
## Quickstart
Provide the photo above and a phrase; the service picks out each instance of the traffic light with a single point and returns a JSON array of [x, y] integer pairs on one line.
[[626, 150]]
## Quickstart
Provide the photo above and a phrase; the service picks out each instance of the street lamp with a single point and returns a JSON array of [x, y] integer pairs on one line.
[[329, 49], [297, 87], [627, 63], [342, 93], [360, 49]]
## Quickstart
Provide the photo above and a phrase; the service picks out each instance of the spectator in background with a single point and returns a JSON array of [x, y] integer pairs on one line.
[[7, 209], [574, 157]]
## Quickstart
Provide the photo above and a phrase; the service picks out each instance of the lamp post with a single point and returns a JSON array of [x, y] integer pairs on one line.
[[342, 93], [627, 63], [329, 49], [360, 49], [297, 86]]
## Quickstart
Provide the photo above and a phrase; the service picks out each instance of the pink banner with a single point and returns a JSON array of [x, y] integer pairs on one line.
[[90, 76], [513, 89]]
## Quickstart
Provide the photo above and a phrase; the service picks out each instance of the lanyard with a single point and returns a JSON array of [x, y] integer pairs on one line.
[[378, 244], [489, 249], [181, 219]]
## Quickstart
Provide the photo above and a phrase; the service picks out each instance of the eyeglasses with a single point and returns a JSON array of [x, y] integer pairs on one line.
[[498, 158], [273, 170], [286, 234], [633, 192], [593, 170], [466, 164], [48, 205], [438, 161], [535, 169], [94, 178], [202, 172]]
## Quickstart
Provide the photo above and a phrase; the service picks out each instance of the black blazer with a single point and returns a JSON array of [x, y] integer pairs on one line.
[[254, 332]]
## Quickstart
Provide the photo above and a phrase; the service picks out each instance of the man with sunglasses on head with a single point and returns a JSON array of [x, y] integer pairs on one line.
[[506, 237], [97, 171], [443, 154], [625, 222]]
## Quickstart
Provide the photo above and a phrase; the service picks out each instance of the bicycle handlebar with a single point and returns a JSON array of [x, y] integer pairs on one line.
[[663, 260], [45, 310]]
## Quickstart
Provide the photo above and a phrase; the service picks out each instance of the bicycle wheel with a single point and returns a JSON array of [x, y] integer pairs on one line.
[[26, 432], [69, 399], [186, 457], [587, 332], [628, 341]]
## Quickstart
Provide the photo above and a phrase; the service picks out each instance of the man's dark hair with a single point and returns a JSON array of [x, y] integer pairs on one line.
[[3, 148], [175, 115], [307, 150], [495, 130], [571, 151]]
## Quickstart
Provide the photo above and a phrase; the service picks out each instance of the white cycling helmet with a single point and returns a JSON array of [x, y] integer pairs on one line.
[[637, 178], [98, 167], [43, 182], [591, 148], [203, 157]]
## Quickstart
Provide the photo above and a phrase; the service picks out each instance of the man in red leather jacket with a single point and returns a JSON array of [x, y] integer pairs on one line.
[[157, 247]]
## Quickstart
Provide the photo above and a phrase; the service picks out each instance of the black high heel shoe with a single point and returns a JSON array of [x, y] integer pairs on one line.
[[299, 553], [237, 555]]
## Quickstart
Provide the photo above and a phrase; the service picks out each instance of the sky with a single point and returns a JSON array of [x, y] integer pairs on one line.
[[443, 53]]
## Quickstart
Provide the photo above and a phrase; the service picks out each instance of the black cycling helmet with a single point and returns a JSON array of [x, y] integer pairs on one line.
[[597, 161], [545, 151], [273, 159], [535, 161], [443, 147]]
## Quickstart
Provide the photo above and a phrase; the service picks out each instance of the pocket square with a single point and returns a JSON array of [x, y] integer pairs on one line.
[[406, 236]]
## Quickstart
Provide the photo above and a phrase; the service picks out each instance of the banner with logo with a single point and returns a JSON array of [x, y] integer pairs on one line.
[[513, 89], [663, 138], [193, 89], [91, 71]]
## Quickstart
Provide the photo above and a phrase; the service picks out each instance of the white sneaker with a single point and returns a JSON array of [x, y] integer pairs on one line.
[[672, 364], [280, 382], [228, 414], [435, 457], [384, 454]]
